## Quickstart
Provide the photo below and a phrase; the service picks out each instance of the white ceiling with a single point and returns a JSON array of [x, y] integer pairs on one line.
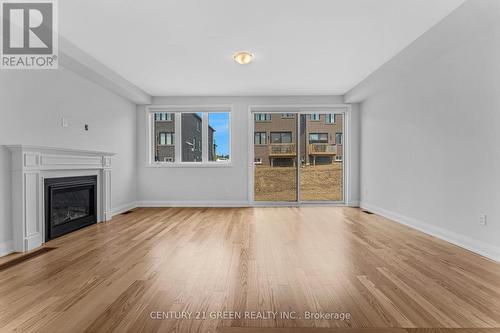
[[302, 47]]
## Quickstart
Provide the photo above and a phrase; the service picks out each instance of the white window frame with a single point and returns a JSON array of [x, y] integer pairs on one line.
[[178, 110]]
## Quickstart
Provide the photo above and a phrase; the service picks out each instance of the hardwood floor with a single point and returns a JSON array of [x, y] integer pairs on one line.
[[226, 262]]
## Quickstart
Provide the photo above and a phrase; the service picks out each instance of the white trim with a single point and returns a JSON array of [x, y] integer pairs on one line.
[[123, 208], [76, 60], [59, 150], [6, 248], [353, 203], [479, 247], [192, 204]]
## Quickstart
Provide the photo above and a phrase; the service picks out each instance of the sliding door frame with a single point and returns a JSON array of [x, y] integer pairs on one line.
[[299, 110]]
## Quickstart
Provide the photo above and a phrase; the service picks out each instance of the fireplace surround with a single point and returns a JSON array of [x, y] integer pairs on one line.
[[31, 166]]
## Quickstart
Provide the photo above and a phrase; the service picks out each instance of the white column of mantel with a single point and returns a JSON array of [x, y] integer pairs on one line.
[[26, 200], [106, 188]]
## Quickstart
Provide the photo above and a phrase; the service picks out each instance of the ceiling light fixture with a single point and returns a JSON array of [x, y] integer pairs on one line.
[[243, 57]]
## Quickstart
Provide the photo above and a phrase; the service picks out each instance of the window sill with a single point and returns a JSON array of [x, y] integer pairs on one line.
[[190, 165]]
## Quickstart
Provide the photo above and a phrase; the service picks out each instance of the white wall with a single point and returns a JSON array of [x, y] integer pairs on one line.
[[430, 131], [31, 106], [226, 186]]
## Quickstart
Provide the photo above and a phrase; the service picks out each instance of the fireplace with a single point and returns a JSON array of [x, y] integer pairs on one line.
[[70, 204]]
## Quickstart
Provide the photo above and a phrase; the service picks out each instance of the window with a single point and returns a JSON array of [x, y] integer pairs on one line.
[[287, 115], [201, 137], [262, 117], [191, 136], [164, 133], [338, 138], [318, 137], [166, 138], [218, 136], [260, 138], [330, 118], [163, 116], [281, 137], [315, 117], [257, 160], [338, 158]]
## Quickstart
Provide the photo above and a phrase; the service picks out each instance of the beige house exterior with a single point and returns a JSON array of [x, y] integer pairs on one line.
[[320, 138]]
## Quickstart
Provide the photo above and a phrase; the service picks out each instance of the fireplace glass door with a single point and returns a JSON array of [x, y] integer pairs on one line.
[[70, 204]]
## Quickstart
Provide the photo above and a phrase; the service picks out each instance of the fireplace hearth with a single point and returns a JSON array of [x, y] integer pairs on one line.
[[70, 204]]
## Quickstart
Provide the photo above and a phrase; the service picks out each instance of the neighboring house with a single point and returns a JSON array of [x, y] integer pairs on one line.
[[191, 137], [275, 142]]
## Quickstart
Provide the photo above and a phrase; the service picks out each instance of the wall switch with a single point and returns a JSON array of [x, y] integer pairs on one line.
[[64, 122], [482, 219]]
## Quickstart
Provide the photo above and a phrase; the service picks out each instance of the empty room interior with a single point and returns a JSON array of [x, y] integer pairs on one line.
[[250, 166]]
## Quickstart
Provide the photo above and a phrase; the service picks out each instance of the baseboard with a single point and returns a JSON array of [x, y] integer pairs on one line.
[[123, 208], [192, 204], [6, 247], [353, 203], [487, 250]]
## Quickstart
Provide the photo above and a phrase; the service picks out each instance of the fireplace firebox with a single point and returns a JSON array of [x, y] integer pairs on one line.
[[70, 204]]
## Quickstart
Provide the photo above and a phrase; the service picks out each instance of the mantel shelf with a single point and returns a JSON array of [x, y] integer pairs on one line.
[[59, 150]]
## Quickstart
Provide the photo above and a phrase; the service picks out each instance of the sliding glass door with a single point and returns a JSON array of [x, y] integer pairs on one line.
[[298, 157], [275, 157], [321, 152]]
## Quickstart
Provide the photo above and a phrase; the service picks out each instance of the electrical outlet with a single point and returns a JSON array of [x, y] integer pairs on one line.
[[482, 220]]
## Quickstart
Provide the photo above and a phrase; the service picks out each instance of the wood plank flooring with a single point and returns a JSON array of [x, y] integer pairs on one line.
[[249, 268]]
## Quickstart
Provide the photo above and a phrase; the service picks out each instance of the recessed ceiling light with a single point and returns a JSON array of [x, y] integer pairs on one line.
[[243, 57]]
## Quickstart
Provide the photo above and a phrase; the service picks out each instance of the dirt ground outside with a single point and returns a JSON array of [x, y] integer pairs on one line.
[[317, 183]]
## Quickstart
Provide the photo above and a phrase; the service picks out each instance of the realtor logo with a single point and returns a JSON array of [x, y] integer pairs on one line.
[[29, 36]]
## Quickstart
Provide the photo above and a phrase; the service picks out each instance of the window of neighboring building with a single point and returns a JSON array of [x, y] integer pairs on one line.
[[166, 138], [257, 160], [164, 116], [287, 115], [260, 138], [338, 158], [318, 137], [281, 137], [201, 137], [262, 117], [338, 138], [330, 118], [315, 117]]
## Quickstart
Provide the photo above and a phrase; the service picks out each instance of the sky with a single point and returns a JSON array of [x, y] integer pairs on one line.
[[220, 122]]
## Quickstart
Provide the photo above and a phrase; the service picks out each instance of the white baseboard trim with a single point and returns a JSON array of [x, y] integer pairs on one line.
[[353, 203], [123, 208], [6, 247], [192, 204], [487, 250]]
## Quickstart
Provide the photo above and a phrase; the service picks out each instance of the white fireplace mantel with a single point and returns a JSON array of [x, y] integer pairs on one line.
[[31, 165]]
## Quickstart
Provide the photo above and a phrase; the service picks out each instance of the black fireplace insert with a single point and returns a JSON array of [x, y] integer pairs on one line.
[[70, 204]]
